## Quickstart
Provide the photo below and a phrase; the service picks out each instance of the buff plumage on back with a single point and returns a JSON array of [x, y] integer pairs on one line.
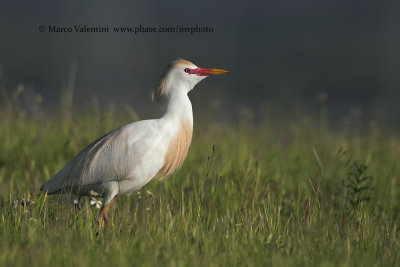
[[160, 87], [162, 83]]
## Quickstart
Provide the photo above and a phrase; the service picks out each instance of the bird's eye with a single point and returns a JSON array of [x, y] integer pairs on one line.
[[187, 70]]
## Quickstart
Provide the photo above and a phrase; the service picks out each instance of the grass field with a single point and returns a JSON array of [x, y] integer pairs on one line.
[[249, 194]]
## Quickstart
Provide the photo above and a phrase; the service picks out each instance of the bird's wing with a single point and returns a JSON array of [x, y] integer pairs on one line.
[[106, 159]]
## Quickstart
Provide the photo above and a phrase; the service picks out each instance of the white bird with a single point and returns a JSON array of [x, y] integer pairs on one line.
[[126, 159]]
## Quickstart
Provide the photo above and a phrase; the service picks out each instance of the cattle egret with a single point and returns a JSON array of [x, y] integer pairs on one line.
[[126, 159]]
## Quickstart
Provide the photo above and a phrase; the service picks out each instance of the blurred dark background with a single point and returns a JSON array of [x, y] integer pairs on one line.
[[282, 55]]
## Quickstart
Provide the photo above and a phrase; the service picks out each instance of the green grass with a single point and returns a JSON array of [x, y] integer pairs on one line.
[[271, 193]]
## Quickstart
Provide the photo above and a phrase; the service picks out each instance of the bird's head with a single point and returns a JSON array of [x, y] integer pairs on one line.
[[181, 75]]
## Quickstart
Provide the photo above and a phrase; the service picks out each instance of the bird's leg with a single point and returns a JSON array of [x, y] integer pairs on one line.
[[78, 205], [101, 217], [103, 214]]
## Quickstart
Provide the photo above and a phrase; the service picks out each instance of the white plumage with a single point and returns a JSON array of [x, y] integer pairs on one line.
[[124, 160]]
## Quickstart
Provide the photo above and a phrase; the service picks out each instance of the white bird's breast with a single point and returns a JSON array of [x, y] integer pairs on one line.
[[177, 149], [158, 152]]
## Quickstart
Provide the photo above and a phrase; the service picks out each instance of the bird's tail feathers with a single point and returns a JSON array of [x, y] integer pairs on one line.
[[56, 184]]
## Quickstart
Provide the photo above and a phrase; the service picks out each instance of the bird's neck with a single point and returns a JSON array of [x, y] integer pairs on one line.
[[177, 123], [179, 107]]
